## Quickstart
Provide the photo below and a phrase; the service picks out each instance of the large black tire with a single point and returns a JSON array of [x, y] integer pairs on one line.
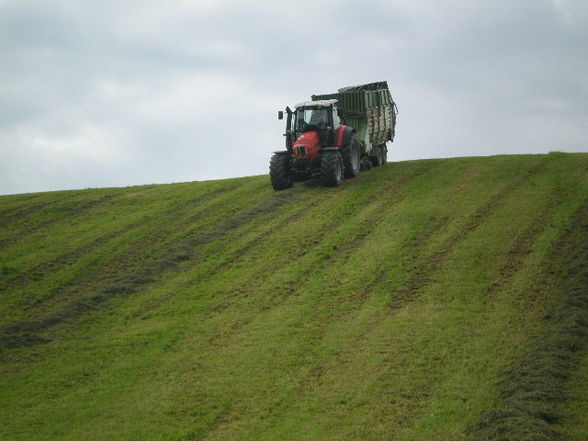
[[332, 168], [384, 154], [379, 158], [280, 171], [352, 157]]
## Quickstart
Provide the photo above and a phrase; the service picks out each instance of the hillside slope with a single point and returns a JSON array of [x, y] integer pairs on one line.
[[436, 299]]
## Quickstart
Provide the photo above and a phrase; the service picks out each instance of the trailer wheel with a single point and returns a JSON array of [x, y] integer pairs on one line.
[[384, 154], [380, 157], [352, 158], [280, 171], [332, 168]]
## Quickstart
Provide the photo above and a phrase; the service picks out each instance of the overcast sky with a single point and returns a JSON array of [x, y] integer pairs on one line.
[[107, 93]]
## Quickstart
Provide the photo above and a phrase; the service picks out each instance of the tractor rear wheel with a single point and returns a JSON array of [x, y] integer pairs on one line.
[[352, 158], [332, 168], [280, 171]]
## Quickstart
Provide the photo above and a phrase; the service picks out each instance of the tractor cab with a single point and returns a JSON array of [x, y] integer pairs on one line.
[[317, 114], [311, 118], [321, 117]]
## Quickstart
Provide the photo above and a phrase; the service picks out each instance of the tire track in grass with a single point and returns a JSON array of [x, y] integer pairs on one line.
[[240, 254], [16, 202], [17, 213], [367, 205], [128, 258], [423, 276], [288, 196], [202, 238], [109, 273], [416, 245], [521, 248], [532, 391], [19, 234], [376, 204], [45, 269], [159, 239], [515, 259], [383, 200], [390, 195], [314, 375], [30, 332], [433, 227], [523, 242], [436, 225], [424, 272]]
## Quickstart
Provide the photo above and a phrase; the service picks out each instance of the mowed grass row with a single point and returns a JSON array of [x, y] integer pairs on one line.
[[385, 309], [109, 241]]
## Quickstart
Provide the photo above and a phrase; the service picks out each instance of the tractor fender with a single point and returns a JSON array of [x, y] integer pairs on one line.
[[282, 152], [347, 132]]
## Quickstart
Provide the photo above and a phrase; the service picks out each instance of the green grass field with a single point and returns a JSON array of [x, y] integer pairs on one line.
[[424, 300]]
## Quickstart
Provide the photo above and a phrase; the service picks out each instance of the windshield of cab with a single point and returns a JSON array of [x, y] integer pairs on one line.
[[316, 118]]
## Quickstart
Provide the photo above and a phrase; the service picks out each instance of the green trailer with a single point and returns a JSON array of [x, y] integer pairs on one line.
[[370, 109]]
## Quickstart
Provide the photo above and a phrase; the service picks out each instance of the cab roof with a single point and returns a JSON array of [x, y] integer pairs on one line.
[[318, 103]]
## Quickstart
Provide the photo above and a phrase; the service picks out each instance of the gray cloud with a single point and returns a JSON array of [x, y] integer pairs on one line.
[[120, 93]]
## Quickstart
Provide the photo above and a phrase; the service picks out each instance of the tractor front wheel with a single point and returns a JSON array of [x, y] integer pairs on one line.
[[332, 168], [281, 171]]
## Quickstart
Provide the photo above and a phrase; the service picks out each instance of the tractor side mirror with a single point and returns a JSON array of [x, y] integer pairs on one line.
[[280, 114]]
